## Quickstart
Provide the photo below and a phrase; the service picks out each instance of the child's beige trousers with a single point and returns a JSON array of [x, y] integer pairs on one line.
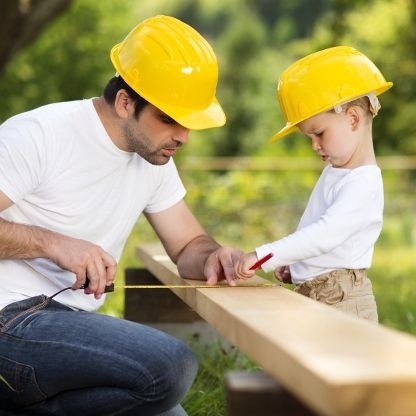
[[349, 290]]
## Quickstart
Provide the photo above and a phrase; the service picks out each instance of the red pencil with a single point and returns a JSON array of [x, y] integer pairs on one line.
[[258, 263]]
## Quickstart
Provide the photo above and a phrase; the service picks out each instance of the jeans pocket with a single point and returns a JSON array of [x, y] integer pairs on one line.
[[18, 385]]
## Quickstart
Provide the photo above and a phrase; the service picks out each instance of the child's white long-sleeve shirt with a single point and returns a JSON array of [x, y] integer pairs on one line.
[[338, 229]]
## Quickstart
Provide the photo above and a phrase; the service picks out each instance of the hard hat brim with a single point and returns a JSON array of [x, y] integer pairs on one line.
[[210, 117], [288, 129]]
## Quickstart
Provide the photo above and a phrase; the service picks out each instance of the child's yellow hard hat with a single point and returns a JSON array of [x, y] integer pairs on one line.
[[172, 66], [323, 80]]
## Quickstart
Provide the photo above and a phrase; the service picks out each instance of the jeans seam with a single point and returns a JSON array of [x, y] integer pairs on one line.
[[10, 322]]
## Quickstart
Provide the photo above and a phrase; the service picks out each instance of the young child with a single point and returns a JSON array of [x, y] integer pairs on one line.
[[331, 97]]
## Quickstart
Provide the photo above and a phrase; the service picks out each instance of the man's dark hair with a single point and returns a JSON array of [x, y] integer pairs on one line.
[[117, 83]]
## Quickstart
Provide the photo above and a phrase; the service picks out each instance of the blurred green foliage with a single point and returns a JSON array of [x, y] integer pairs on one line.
[[254, 41]]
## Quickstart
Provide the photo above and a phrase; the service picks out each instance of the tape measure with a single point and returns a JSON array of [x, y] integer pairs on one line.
[[110, 288]]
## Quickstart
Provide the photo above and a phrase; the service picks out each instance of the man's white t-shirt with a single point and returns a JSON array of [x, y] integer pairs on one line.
[[338, 229], [63, 172]]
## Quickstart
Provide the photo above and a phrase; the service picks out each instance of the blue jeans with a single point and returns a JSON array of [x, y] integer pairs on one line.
[[56, 361]]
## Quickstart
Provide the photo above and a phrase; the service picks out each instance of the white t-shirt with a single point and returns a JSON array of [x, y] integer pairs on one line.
[[340, 225], [63, 172]]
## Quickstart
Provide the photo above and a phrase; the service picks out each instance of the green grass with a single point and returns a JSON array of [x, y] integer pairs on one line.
[[207, 395]]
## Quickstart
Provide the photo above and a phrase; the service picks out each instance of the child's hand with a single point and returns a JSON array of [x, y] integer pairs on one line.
[[242, 267], [283, 274]]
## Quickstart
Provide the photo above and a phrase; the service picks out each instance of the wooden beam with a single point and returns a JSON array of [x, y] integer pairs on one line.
[[335, 363]]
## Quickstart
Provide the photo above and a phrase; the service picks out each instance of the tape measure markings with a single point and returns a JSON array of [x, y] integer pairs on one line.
[[190, 286]]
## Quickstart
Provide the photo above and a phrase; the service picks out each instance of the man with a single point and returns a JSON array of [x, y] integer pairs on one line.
[[74, 177]]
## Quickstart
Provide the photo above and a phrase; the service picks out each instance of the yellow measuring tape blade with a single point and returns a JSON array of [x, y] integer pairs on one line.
[[191, 286]]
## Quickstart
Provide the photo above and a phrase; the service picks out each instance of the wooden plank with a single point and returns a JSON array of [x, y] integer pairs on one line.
[[335, 363]]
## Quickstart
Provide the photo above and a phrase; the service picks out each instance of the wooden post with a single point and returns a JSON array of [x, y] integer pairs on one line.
[[154, 305], [258, 394], [163, 309]]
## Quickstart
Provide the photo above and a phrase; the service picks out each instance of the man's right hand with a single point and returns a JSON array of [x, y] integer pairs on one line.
[[84, 259], [87, 261]]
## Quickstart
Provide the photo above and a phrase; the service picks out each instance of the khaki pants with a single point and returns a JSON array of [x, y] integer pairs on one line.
[[345, 289]]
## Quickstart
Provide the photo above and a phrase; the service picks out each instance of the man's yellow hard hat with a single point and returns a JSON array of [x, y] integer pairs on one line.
[[172, 66], [323, 80]]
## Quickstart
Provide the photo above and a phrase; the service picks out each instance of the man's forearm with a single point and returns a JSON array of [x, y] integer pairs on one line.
[[191, 261], [81, 257], [19, 241]]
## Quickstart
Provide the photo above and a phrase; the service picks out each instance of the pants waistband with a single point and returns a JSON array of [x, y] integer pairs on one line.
[[356, 276]]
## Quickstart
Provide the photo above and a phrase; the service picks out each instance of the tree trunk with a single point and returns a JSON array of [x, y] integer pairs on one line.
[[23, 21]]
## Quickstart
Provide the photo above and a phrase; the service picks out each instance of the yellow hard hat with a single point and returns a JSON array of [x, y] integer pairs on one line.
[[172, 66], [323, 80]]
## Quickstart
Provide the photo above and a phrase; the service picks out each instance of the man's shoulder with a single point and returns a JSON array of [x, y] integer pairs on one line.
[[62, 108], [49, 111]]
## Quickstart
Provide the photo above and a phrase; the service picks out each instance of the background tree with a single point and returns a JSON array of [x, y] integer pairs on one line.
[[23, 21], [70, 58]]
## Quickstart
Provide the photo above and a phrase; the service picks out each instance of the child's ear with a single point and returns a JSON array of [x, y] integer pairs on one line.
[[355, 117]]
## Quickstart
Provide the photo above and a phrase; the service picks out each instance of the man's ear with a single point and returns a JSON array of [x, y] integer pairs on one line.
[[123, 104]]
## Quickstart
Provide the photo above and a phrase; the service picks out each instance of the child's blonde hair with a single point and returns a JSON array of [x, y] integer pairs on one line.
[[369, 103]]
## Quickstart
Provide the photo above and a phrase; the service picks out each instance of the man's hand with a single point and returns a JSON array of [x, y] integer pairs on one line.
[[220, 265], [86, 261], [197, 255]]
